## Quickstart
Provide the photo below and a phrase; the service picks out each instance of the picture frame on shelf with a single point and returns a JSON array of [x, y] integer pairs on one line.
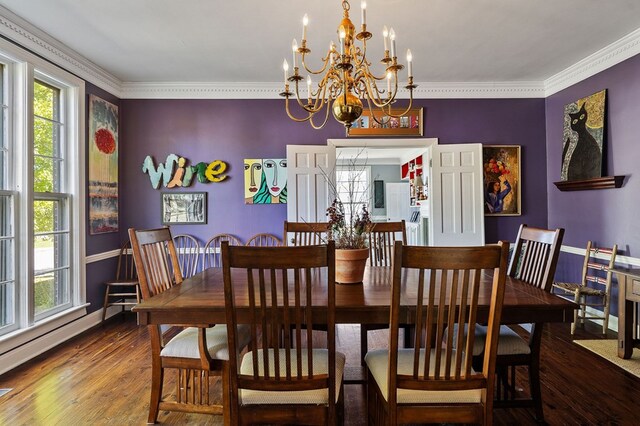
[[409, 124], [502, 183], [184, 208]]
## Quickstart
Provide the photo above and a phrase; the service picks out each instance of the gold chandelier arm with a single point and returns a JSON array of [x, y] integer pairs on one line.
[[296, 119], [326, 118], [371, 75], [320, 71]]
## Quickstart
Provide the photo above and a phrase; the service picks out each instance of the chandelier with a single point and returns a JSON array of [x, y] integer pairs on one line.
[[345, 78]]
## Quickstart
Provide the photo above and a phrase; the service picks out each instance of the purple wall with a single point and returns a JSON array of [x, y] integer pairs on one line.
[[605, 216], [99, 272], [232, 130]]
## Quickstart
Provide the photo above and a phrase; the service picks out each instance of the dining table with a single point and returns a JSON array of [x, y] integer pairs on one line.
[[199, 300]]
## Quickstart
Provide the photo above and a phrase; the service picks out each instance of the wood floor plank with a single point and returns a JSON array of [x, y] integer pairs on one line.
[[102, 378]]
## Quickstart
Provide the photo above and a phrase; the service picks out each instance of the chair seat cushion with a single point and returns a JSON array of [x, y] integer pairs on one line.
[[185, 343], [316, 396], [378, 361], [509, 342]]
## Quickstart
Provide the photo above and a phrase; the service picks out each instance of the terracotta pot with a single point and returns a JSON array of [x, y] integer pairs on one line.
[[350, 264]]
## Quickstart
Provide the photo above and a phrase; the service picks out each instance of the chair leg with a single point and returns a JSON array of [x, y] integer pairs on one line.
[[157, 379], [535, 391], [576, 299], [605, 321], [106, 303], [364, 347]]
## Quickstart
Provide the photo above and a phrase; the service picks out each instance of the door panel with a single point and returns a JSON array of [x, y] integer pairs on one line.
[[309, 167], [456, 209]]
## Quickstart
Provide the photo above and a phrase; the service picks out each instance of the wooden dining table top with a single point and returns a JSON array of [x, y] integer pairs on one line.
[[199, 300]]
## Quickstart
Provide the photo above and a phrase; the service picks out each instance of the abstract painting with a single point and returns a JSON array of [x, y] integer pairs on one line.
[[265, 181], [501, 170], [103, 166], [582, 138]]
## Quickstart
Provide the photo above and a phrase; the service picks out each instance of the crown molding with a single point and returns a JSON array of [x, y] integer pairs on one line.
[[208, 90], [30, 37], [618, 51]]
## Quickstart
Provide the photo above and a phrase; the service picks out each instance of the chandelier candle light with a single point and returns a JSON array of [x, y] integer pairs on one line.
[[345, 77]]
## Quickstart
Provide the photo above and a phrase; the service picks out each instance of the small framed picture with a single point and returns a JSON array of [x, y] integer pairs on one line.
[[409, 124], [187, 208]]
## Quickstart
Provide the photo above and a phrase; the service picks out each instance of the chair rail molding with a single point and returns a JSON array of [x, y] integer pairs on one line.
[[620, 259]]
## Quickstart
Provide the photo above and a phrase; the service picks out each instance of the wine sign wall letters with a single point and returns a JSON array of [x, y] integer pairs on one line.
[[183, 175]]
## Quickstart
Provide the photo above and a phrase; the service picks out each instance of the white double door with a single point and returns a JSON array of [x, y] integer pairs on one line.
[[456, 215]]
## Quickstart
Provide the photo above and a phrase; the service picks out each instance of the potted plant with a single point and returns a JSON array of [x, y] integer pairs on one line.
[[350, 233]]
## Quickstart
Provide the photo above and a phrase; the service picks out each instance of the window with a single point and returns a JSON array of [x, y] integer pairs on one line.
[[41, 196], [8, 296], [353, 187], [50, 204]]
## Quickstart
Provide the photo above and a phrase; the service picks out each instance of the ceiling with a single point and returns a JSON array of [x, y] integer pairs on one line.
[[246, 40]]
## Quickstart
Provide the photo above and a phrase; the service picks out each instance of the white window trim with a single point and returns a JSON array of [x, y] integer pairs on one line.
[[367, 171], [24, 66]]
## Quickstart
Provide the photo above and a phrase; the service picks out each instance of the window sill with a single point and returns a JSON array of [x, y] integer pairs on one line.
[[20, 337]]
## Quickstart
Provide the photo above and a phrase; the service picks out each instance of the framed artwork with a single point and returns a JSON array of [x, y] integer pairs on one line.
[[103, 166], [502, 182], [410, 124], [265, 181], [582, 138], [186, 208], [378, 194]]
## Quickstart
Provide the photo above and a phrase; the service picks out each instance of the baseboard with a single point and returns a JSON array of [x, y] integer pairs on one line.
[[38, 346]]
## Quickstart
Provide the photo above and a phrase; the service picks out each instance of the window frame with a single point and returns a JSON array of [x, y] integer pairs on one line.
[[24, 68]]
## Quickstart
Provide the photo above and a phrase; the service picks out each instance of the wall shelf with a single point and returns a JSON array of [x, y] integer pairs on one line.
[[586, 184]]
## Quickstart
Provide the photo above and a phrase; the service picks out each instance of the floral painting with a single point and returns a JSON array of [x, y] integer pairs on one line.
[[582, 138], [103, 166], [501, 173], [265, 181]]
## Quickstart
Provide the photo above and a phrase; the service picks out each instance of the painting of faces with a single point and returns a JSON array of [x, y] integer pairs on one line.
[[265, 181]]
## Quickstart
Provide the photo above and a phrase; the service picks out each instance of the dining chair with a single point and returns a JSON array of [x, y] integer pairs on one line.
[[287, 376], [433, 382], [188, 249], [196, 353], [125, 286], [264, 240], [534, 260], [305, 233], [382, 237], [598, 263], [211, 254]]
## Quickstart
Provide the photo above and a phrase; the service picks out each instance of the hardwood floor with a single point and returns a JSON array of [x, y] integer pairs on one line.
[[102, 378]]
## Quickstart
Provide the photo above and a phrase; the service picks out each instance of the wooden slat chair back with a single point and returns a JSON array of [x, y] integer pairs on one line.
[[268, 384], [598, 262], [382, 238], [264, 240], [305, 233], [534, 261], [193, 352], [212, 255], [433, 380], [188, 249], [535, 256], [125, 286]]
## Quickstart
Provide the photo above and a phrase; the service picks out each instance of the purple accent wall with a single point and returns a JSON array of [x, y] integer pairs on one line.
[[605, 216], [232, 130], [99, 272]]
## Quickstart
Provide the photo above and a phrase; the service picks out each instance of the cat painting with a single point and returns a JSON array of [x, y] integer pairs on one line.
[[583, 134]]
